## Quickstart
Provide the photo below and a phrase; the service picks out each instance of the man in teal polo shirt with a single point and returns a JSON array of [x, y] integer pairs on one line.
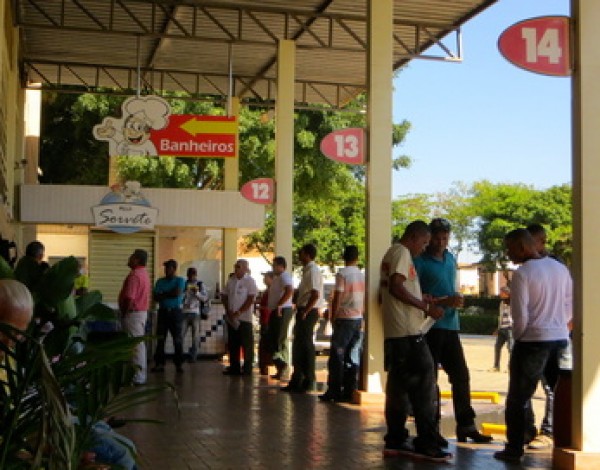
[[168, 292], [436, 269]]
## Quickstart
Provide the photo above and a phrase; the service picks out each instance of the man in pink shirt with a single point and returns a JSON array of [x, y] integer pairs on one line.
[[133, 305]]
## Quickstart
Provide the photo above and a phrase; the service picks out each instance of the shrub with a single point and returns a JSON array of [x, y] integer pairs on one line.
[[475, 321]]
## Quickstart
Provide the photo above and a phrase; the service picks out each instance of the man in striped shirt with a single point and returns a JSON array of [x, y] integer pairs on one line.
[[346, 316]]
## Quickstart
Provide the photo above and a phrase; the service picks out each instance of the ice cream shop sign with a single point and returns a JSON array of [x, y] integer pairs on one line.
[[125, 210]]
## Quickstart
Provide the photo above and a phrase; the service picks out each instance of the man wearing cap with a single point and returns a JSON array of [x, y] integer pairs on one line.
[[133, 305], [436, 269], [168, 292]]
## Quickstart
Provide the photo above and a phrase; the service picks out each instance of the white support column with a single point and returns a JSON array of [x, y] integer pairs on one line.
[[586, 247], [33, 112], [284, 155], [379, 178], [231, 183]]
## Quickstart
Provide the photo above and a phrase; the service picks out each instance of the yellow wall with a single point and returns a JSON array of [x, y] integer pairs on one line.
[[11, 120], [65, 245]]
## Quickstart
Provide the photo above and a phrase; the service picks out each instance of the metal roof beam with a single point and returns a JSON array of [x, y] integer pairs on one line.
[[297, 22], [55, 81]]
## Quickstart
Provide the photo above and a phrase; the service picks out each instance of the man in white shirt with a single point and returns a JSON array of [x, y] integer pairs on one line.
[[280, 304], [238, 299], [541, 303], [346, 316], [310, 300]]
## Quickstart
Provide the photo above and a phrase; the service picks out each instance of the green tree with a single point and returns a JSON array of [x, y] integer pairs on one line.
[[499, 208], [69, 154], [454, 205], [410, 207]]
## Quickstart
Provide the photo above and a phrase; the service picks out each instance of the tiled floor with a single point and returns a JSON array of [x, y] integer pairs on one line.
[[248, 423]]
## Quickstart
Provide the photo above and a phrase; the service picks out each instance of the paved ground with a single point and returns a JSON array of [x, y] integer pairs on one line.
[[248, 423]]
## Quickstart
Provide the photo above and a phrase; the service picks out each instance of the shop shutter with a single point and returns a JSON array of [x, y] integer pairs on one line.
[[108, 255]]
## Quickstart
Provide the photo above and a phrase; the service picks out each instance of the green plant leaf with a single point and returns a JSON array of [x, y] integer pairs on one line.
[[6, 272]]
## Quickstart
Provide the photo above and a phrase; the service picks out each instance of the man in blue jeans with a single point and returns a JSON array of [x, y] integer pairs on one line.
[[541, 301], [168, 292], [346, 316]]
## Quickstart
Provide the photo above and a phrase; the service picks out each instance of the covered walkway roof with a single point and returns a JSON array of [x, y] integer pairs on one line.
[[197, 45]]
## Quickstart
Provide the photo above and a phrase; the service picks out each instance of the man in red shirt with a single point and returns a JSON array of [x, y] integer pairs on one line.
[[133, 304]]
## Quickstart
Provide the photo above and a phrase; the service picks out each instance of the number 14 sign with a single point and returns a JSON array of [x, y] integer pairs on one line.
[[539, 45]]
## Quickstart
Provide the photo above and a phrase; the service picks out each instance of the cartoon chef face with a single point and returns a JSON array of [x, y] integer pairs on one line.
[[136, 130]]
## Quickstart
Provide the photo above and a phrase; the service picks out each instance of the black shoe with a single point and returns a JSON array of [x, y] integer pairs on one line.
[[158, 368], [309, 386], [441, 441], [404, 449], [470, 432], [230, 371], [433, 455], [508, 455], [329, 397], [291, 388]]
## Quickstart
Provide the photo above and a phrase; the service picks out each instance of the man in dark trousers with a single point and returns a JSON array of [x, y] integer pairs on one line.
[[407, 358], [437, 268], [310, 300], [541, 301], [168, 292]]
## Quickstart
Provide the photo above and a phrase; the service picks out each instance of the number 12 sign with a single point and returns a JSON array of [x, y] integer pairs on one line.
[[259, 191], [539, 45]]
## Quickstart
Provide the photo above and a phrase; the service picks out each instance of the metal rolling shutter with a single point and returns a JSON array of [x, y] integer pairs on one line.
[[108, 255]]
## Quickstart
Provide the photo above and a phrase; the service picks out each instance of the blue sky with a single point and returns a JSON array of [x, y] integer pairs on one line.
[[484, 118]]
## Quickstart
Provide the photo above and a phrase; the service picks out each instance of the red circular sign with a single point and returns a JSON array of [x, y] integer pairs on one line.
[[345, 145], [260, 191], [539, 45]]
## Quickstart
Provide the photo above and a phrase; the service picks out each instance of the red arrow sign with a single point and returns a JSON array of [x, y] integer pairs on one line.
[[345, 146], [539, 45], [197, 136], [260, 190]]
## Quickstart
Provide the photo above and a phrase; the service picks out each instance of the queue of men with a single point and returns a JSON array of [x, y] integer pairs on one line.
[[418, 308], [419, 301]]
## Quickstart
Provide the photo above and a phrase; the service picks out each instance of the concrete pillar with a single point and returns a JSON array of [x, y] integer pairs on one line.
[[379, 177], [284, 155], [32, 118], [586, 249], [231, 183]]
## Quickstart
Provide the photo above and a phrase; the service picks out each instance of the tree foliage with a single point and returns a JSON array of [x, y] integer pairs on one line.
[[482, 214], [499, 208]]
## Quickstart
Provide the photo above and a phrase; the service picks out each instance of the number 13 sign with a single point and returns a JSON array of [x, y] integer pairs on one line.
[[539, 45], [345, 146], [259, 191]]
